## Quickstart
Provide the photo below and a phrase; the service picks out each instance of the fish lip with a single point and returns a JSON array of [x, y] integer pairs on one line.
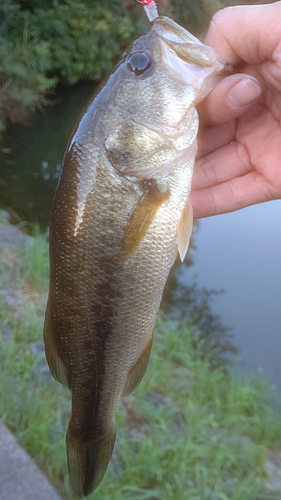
[[184, 43], [190, 60], [189, 73]]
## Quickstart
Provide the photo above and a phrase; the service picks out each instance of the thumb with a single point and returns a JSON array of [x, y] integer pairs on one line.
[[231, 97]]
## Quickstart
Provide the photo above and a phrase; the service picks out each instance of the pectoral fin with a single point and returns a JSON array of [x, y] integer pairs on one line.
[[137, 372], [142, 216], [185, 230]]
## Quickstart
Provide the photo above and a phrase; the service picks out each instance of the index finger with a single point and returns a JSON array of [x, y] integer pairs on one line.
[[251, 34]]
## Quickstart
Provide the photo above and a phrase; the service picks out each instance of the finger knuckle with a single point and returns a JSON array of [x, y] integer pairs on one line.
[[219, 18]]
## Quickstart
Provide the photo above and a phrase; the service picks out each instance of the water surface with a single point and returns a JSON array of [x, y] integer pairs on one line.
[[241, 253], [31, 154]]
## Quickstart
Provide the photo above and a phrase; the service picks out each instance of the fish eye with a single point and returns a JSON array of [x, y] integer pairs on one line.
[[139, 62]]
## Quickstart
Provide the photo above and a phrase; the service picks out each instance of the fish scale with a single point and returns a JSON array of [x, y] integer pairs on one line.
[[121, 214]]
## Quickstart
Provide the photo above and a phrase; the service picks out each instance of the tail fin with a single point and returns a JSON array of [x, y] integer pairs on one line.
[[87, 461]]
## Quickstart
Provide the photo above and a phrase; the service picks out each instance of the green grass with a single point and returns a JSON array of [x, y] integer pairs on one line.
[[188, 432], [36, 260]]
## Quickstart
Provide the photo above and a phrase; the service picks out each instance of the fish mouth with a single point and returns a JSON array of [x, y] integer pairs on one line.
[[186, 45], [187, 72], [190, 60]]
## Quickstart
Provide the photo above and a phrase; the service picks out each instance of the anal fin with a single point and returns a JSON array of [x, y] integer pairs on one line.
[[137, 372]]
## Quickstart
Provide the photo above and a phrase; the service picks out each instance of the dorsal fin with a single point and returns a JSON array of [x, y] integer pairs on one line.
[[55, 363]]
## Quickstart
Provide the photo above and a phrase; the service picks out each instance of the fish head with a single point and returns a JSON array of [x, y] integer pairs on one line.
[[156, 88], [186, 57], [166, 68]]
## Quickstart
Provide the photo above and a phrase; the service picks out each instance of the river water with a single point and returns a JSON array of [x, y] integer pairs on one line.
[[239, 252], [31, 154]]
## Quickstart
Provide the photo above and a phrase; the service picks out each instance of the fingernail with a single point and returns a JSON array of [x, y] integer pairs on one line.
[[244, 92]]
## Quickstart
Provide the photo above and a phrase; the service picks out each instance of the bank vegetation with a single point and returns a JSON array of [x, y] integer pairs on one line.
[[43, 43]]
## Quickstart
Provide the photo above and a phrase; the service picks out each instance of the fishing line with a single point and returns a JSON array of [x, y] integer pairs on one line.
[[150, 8]]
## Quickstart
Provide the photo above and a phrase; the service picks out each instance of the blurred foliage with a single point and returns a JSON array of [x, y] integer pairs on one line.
[[69, 40]]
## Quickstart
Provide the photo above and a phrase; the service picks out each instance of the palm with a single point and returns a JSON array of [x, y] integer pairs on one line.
[[258, 136], [240, 162]]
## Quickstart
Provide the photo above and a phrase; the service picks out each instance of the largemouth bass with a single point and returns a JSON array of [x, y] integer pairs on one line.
[[121, 214]]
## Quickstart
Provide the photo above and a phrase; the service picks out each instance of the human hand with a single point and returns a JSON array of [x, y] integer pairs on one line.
[[239, 156]]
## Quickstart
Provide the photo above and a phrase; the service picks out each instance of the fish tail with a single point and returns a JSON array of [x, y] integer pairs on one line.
[[87, 461]]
